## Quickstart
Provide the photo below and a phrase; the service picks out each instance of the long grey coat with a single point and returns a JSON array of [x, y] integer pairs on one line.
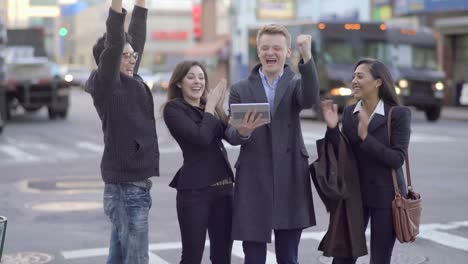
[[273, 188]]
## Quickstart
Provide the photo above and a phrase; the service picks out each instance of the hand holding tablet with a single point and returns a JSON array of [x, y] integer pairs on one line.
[[247, 117]]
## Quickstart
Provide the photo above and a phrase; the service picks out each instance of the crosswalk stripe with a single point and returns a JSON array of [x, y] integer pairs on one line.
[[445, 239], [90, 146], [429, 232], [155, 259], [18, 154], [20, 151]]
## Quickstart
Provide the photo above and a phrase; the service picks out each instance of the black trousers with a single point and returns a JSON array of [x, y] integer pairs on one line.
[[286, 248], [382, 236], [205, 209]]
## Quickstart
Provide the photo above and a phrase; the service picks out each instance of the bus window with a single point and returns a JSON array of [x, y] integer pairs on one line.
[[402, 55], [425, 58], [377, 50], [338, 51]]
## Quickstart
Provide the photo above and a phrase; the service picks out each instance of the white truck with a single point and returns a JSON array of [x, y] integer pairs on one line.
[[33, 83]]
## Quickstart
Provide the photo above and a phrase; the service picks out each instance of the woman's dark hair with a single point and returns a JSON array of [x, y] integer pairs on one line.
[[378, 70], [179, 73], [100, 43], [173, 90]]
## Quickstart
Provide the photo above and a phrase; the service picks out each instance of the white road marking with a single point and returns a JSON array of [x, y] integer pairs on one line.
[[18, 154], [445, 239], [417, 138], [155, 259], [90, 146], [19, 151], [431, 232]]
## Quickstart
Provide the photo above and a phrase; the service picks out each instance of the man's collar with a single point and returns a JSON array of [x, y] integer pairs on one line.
[[264, 77]]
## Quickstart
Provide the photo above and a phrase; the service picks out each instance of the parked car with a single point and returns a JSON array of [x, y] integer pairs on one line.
[[34, 83], [148, 76], [162, 81]]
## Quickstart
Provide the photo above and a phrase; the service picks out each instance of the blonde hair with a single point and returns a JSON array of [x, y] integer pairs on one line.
[[273, 29]]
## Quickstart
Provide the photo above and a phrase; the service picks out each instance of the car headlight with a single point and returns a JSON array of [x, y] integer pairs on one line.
[[397, 90], [340, 91], [403, 83], [439, 86], [150, 84], [68, 77]]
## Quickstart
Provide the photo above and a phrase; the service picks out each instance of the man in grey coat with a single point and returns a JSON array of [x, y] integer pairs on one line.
[[273, 189]]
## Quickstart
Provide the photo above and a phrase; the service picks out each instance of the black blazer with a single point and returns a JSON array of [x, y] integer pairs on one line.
[[199, 136], [375, 156]]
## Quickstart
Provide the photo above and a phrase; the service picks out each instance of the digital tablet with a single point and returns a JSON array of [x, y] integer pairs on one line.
[[238, 111]]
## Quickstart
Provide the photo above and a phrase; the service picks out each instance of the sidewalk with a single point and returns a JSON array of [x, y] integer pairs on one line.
[[455, 113]]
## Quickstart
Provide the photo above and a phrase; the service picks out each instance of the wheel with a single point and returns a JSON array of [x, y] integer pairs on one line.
[[7, 112], [433, 113], [63, 114], [52, 113]]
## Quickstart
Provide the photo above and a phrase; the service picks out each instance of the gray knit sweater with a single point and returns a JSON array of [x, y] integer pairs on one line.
[[125, 106]]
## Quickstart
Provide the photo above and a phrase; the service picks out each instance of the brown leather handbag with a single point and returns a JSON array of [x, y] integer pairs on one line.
[[406, 211]]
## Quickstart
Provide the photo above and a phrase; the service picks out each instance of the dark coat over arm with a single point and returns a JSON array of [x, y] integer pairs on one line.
[[336, 178]]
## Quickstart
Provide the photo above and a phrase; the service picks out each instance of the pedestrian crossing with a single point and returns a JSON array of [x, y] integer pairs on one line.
[[433, 233], [17, 150]]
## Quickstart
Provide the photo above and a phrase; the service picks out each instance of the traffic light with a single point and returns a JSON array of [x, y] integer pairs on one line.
[[63, 31]]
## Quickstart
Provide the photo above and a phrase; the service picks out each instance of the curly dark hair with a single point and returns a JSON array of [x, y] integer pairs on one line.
[[100, 44]]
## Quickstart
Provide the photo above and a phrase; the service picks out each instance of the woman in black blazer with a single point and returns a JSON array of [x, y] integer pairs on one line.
[[204, 183], [364, 124]]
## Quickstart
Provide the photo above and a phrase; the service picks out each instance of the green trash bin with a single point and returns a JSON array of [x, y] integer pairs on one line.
[[3, 226]]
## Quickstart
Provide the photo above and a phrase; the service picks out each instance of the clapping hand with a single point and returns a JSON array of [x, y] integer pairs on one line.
[[329, 113], [215, 97]]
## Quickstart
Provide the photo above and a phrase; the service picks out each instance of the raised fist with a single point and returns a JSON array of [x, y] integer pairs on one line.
[[304, 45]]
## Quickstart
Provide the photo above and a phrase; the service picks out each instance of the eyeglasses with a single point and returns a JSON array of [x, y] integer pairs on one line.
[[128, 55]]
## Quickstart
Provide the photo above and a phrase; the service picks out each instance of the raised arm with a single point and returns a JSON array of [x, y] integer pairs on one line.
[[109, 60], [307, 94], [137, 29]]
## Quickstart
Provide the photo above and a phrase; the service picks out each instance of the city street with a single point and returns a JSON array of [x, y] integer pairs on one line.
[[51, 191]]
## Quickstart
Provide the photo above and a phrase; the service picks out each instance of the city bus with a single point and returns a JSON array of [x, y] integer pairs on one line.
[[410, 54]]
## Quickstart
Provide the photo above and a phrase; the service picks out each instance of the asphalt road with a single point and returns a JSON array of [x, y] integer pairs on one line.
[[51, 192]]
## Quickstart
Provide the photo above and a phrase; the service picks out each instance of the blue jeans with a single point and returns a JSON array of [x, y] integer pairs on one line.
[[127, 206]]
